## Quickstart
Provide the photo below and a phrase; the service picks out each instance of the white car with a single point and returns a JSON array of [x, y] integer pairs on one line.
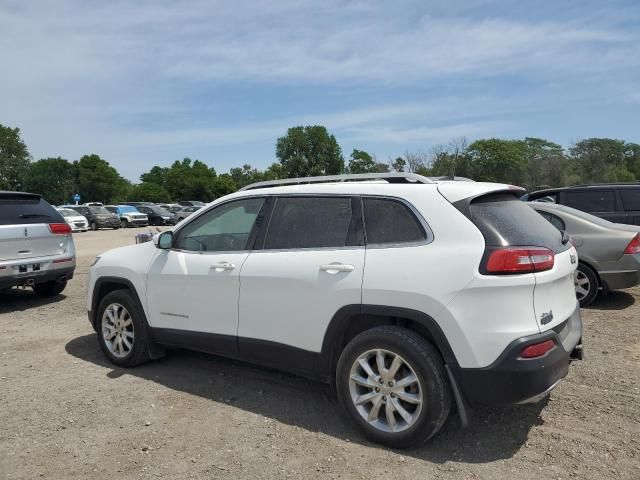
[[77, 222], [408, 295]]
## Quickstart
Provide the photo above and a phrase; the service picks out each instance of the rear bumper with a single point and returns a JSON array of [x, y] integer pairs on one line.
[[624, 274], [512, 379], [37, 277]]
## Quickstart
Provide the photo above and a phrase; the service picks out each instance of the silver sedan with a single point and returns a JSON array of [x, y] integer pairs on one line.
[[608, 253]]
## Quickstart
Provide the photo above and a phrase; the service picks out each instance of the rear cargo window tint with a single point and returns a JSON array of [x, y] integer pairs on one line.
[[26, 209], [306, 222], [390, 221], [504, 220], [593, 201], [631, 199]]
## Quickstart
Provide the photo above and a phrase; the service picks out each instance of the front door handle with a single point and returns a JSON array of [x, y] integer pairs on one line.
[[334, 268], [222, 266]]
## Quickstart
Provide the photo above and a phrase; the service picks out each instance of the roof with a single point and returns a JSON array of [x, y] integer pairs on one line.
[[594, 186]]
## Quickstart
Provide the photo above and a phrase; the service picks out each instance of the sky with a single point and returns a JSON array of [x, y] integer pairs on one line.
[[144, 83]]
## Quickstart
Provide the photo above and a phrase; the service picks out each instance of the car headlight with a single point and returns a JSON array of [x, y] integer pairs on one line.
[[95, 260]]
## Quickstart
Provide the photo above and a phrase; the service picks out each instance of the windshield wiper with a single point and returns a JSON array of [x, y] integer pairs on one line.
[[33, 215]]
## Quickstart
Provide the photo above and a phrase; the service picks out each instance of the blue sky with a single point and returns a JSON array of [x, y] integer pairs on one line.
[[148, 82]]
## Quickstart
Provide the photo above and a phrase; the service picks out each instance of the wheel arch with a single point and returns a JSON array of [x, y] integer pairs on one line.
[[351, 320], [106, 285]]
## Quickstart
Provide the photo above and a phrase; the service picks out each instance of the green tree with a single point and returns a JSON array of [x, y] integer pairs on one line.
[[96, 180], [601, 160], [399, 164], [149, 192], [497, 160], [361, 162], [14, 159], [309, 151], [53, 178], [245, 175], [546, 163]]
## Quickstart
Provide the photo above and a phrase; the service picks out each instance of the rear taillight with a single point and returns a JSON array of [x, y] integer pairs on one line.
[[519, 260], [537, 349], [634, 246], [59, 228]]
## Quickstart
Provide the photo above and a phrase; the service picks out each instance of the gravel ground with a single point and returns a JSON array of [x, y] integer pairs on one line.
[[67, 413]]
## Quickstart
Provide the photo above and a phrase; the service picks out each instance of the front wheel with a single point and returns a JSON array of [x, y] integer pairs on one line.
[[122, 330], [124, 223], [586, 284], [393, 386]]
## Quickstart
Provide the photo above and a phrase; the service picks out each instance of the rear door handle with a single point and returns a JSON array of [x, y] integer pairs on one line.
[[334, 268], [222, 266]]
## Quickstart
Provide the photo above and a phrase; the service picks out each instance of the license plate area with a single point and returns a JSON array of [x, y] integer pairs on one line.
[[29, 268]]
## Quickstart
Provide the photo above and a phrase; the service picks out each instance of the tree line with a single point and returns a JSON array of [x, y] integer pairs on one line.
[[533, 163]]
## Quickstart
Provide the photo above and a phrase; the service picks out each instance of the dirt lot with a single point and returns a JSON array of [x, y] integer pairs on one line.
[[67, 413]]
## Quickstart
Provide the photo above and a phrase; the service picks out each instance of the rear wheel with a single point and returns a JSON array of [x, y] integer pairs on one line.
[[94, 226], [50, 289], [392, 384], [124, 223], [122, 330], [586, 283]]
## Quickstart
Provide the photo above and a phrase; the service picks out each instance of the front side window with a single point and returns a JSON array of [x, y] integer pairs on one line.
[[592, 201], [390, 221], [224, 228], [311, 222]]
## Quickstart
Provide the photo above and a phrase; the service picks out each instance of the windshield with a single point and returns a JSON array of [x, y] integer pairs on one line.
[[99, 211], [160, 211], [68, 213], [127, 209]]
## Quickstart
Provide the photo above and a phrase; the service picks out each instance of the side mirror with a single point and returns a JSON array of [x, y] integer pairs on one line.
[[164, 240]]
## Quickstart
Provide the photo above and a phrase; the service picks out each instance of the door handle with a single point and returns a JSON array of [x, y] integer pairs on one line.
[[334, 268], [222, 266]]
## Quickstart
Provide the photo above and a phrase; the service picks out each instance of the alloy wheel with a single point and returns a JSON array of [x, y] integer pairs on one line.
[[582, 284], [385, 390], [117, 330]]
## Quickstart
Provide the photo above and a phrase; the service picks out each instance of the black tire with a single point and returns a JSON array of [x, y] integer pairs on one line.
[[428, 366], [585, 272], [116, 228], [50, 289], [94, 226], [124, 223], [139, 352]]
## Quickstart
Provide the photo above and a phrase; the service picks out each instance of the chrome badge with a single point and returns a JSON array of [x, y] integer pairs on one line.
[[573, 259], [546, 317]]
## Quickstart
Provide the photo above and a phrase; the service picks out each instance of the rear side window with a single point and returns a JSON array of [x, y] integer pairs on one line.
[[553, 220], [311, 222], [506, 221], [631, 199], [390, 221], [18, 209], [592, 201]]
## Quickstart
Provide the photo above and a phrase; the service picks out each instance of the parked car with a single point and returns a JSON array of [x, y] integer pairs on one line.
[[616, 202], [77, 222], [191, 203], [129, 215], [454, 305], [171, 207], [157, 215], [608, 253], [97, 216], [184, 212], [36, 246], [93, 204]]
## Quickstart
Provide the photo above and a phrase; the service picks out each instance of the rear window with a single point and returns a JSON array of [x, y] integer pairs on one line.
[[99, 210], [631, 199], [506, 221], [390, 221], [592, 201], [16, 209]]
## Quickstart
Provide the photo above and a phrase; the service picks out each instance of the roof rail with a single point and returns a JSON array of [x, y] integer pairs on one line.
[[389, 177]]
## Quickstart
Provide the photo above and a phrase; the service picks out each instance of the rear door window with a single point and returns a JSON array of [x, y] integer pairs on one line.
[[20, 209], [312, 222], [390, 221], [592, 201], [630, 199]]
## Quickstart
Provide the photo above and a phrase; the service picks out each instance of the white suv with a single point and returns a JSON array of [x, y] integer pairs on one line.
[[406, 294]]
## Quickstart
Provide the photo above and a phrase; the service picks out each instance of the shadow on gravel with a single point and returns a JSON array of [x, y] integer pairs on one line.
[[18, 299], [495, 433], [616, 300]]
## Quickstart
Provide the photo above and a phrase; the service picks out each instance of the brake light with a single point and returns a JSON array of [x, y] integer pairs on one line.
[[520, 260], [634, 246], [537, 349], [59, 228]]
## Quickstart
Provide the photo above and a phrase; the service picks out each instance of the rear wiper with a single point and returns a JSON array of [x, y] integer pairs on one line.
[[33, 215], [565, 237]]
